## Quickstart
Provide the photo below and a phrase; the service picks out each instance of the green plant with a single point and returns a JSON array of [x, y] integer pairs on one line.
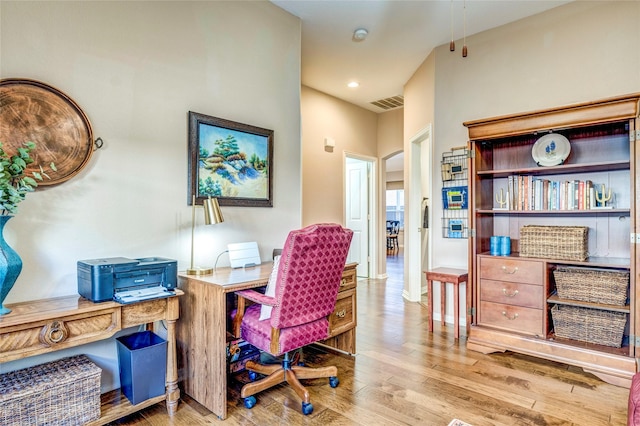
[[15, 180]]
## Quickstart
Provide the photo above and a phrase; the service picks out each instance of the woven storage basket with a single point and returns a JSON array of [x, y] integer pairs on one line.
[[62, 392], [589, 325], [554, 242], [592, 285]]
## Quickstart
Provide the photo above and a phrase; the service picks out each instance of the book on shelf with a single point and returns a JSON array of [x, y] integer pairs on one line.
[[529, 193]]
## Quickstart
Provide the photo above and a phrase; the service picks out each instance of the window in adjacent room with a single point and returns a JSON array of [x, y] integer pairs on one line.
[[395, 205]]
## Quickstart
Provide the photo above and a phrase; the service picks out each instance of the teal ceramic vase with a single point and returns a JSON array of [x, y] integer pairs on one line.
[[10, 266]]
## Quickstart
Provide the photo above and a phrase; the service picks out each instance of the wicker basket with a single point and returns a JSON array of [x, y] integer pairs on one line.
[[554, 242], [62, 392], [592, 285], [589, 325]]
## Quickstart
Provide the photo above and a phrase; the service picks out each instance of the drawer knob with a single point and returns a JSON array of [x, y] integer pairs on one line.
[[504, 290], [504, 314], [342, 313], [343, 281], [504, 269], [54, 332]]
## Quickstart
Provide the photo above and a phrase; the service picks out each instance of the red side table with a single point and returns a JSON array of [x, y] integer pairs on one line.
[[455, 277]]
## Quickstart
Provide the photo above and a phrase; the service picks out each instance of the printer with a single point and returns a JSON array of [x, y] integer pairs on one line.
[[127, 280]]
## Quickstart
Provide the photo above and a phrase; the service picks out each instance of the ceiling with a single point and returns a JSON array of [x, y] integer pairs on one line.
[[401, 34], [395, 163]]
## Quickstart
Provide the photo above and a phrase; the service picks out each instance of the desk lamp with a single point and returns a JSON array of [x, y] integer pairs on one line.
[[212, 215]]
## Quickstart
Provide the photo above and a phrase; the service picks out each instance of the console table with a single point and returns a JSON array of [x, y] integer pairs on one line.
[[203, 330], [48, 325]]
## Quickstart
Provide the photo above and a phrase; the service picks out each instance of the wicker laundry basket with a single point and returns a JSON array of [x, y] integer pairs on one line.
[[592, 285], [62, 392], [589, 325], [554, 242]]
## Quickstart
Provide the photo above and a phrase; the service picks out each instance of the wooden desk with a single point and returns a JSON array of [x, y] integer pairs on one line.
[[48, 325], [202, 332]]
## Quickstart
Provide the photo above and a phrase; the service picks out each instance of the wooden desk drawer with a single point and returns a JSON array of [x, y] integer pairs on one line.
[[64, 332], [509, 317], [343, 317], [349, 278], [512, 270], [525, 295]]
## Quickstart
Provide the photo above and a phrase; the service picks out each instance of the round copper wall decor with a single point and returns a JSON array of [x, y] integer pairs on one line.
[[34, 111]]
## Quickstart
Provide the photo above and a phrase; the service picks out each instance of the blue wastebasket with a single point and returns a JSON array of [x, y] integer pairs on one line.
[[143, 365]]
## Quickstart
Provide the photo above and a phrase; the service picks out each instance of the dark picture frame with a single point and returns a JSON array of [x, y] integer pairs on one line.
[[230, 161]]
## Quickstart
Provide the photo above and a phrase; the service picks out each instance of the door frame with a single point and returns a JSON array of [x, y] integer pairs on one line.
[[416, 168], [371, 208]]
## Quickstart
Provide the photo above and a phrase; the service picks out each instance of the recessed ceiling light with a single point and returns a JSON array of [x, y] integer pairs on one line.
[[353, 84]]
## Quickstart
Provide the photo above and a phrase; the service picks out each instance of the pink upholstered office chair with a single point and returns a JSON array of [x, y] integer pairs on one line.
[[306, 288]]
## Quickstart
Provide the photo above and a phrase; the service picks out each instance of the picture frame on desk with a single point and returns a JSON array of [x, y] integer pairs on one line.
[[230, 161]]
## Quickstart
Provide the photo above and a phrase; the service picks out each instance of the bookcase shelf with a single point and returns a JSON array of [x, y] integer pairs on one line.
[[618, 212], [554, 170], [558, 301]]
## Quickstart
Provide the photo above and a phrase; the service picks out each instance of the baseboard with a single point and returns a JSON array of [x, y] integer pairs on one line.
[[405, 295]]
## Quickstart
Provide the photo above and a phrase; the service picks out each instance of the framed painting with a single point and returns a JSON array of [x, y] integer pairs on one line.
[[229, 161]]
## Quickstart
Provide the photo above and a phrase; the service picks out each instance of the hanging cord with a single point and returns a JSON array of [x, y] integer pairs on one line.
[[464, 31], [452, 45]]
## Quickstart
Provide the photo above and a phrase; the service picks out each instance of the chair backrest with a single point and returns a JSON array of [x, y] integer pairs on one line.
[[393, 227], [309, 274]]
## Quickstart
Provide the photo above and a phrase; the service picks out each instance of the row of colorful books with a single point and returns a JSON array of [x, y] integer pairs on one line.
[[526, 192]]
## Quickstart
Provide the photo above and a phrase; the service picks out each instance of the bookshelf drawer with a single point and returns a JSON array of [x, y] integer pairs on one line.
[[510, 317], [516, 294], [512, 270]]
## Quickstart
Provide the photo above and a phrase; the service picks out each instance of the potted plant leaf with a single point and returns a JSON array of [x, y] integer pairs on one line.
[[15, 182]]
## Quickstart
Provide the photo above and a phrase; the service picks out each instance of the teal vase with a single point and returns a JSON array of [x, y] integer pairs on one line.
[[10, 266]]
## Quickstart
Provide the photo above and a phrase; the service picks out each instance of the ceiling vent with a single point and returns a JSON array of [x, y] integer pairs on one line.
[[390, 103]]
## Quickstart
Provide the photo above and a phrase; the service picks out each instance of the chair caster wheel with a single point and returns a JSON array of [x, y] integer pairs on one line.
[[334, 382], [249, 402], [253, 376], [307, 408]]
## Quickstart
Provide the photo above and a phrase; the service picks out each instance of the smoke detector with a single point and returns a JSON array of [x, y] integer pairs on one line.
[[360, 34]]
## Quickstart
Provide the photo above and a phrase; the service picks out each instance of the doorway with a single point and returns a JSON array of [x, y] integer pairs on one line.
[[359, 213], [394, 212], [418, 244]]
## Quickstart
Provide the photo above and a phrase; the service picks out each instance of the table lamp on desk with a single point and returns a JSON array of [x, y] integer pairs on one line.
[[212, 215]]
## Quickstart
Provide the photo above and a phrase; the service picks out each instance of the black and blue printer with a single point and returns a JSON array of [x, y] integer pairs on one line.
[[127, 280]]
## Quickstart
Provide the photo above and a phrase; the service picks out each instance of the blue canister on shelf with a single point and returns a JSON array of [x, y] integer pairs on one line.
[[505, 246], [494, 248]]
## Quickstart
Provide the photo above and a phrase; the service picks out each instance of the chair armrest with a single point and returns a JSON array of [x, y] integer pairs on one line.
[[253, 296], [256, 297]]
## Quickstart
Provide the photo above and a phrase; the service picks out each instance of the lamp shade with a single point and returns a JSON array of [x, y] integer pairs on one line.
[[212, 215], [212, 212]]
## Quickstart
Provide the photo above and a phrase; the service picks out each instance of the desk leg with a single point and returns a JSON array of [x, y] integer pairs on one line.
[[443, 302], [173, 392], [430, 304], [468, 306], [456, 310]]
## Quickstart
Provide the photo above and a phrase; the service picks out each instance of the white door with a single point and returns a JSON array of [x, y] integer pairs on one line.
[[357, 212]]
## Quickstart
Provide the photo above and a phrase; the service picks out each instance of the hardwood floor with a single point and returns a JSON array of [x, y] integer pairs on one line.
[[403, 375]]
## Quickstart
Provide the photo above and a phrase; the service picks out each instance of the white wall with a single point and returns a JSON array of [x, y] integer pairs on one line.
[[136, 69], [578, 52], [354, 131]]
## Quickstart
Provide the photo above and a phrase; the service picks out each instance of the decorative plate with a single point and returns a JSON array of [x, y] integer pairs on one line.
[[551, 150], [36, 112]]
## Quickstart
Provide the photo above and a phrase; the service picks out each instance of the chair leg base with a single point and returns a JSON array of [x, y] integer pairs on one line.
[[276, 374]]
